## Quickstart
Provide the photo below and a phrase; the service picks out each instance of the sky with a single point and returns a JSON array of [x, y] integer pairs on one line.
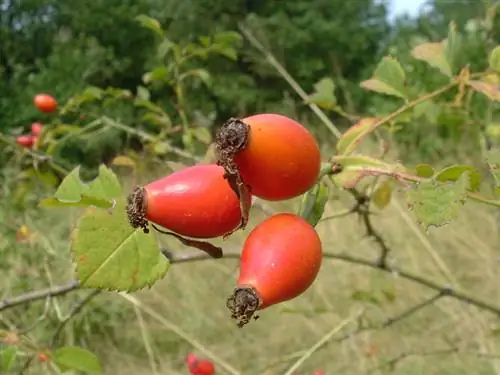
[[402, 6]]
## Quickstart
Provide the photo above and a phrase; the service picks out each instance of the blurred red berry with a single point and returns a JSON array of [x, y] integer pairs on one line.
[[36, 129], [42, 357], [26, 141], [198, 366], [319, 372]]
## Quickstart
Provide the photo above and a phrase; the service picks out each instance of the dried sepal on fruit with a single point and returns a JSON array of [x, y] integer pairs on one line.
[[196, 202], [269, 155], [280, 260]]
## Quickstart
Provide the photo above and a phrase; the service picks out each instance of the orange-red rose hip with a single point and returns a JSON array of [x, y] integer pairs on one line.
[[45, 103], [196, 201], [280, 260], [276, 156]]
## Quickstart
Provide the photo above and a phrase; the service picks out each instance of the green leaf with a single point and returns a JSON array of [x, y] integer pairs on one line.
[[424, 170], [488, 89], [8, 355], [324, 94], [493, 160], [74, 192], [151, 24], [354, 135], [382, 195], [111, 255], [313, 203], [202, 74], [143, 93], [437, 203], [433, 54], [366, 296], [388, 78], [494, 59], [454, 172], [75, 358]]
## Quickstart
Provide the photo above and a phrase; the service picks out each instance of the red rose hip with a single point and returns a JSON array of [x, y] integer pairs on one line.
[[280, 260], [45, 103], [196, 201]]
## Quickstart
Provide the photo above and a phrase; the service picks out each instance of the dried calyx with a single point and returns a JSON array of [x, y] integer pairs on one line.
[[136, 209], [243, 304]]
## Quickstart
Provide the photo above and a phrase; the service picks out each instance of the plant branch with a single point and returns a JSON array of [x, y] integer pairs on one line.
[[185, 257]]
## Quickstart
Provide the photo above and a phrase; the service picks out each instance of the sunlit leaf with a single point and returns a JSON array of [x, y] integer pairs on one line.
[[494, 59], [381, 197], [437, 203], [454, 172], [324, 94], [488, 89], [388, 78], [424, 170], [433, 54], [111, 255], [143, 93], [151, 24], [76, 358], [354, 135], [452, 46], [313, 203], [72, 191], [8, 355]]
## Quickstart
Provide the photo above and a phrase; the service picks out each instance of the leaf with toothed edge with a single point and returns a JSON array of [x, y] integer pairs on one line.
[[436, 203], [111, 255]]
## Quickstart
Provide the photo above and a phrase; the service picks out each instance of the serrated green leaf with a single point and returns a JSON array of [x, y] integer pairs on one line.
[[454, 172], [76, 358], [111, 255], [382, 195], [494, 59], [324, 94], [488, 89], [437, 203], [150, 23], [72, 191], [354, 135], [313, 203], [433, 54], [390, 71], [8, 355], [424, 170]]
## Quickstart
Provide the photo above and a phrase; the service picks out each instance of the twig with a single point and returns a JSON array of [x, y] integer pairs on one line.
[[185, 257], [37, 295], [74, 311]]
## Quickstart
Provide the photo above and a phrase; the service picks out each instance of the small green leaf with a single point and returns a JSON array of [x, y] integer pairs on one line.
[[150, 23], [454, 172], [382, 195], [494, 59], [488, 89], [8, 355], [424, 170], [324, 94], [354, 135], [433, 54], [76, 358], [313, 203], [74, 192], [111, 255], [388, 78], [437, 203]]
